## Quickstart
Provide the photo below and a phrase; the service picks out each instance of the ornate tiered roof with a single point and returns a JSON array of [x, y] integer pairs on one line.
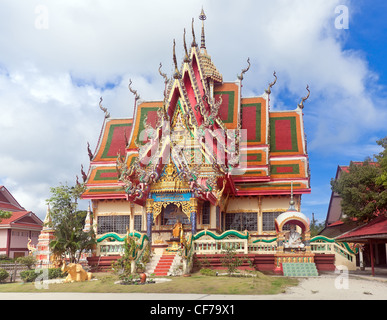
[[218, 141]]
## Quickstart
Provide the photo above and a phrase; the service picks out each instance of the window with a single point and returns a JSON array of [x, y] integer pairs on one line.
[[206, 212], [241, 221], [268, 223], [138, 223], [117, 224]]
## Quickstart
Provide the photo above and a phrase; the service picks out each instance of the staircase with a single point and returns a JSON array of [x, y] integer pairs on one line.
[[299, 269], [163, 265]]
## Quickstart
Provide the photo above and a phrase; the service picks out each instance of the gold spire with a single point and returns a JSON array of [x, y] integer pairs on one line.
[[203, 17]]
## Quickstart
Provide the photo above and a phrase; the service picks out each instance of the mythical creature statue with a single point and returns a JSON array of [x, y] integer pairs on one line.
[[76, 273], [31, 247]]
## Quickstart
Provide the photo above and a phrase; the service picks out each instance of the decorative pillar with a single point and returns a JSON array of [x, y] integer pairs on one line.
[[149, 218], [194, 210]]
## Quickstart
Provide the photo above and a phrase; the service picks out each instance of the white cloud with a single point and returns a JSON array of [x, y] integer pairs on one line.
[[51, 79]]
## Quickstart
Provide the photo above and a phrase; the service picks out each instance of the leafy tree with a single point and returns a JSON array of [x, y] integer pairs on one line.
[[382, 161], [68, 223], [5, 214], [363, 194], [315, 227]]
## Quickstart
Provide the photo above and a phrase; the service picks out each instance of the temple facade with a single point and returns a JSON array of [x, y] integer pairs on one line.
[[203, 158]]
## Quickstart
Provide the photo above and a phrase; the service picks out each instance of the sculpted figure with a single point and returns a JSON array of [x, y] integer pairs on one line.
[[76, 273], [177, 229], [294, 240]]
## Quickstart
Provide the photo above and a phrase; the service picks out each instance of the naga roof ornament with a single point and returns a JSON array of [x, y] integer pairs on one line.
[[301, 104], [177, 74], [107, 114], [240, 77], [271, 85]]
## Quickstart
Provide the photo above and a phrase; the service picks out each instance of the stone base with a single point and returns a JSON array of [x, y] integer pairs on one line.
[[173, 246], [293, 257]]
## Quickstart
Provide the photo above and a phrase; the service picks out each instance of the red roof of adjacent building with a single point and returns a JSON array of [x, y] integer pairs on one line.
[[375, 229], [22, 219], [8, 202]]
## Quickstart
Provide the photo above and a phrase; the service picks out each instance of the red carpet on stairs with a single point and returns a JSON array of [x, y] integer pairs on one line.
[[164, 265]]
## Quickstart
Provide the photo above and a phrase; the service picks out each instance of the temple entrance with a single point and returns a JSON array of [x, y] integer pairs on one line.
[[171, 214]]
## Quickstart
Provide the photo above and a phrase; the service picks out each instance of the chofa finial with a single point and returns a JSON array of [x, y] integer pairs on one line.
[[107, 114], [176, 75], [186, 58], [301, 104], [194, 44], [268, 90], [240, 77], [136, 96]]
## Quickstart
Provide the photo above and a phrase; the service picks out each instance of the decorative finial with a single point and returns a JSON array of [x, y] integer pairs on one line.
[[194, 44], [107, 114], [177, 73], [89, 151], [240, 77], [186, 58], [136, 96], [166, 80], [84, 176], [291, 202], [203, 17], [268, 90], [301, 104]]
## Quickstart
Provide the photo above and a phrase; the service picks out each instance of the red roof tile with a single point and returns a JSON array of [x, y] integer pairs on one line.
[[377, 226]]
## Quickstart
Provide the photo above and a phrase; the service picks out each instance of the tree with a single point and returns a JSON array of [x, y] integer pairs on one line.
[[363, 195], [382, 161], [316, 227], [68, 223], [5, 214]]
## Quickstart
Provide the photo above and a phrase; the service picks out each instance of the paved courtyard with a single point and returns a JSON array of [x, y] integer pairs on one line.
[[358, 285]]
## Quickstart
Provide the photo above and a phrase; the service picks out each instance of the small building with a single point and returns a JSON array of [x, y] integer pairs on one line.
[[369, 237], [19, 231]]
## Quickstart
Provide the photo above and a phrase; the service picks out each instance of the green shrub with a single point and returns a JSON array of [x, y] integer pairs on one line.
[[5, 259], [54, 273], [31, 275], [207, 272], [230, 260], [3, 275], [28, 275], [28, 261]]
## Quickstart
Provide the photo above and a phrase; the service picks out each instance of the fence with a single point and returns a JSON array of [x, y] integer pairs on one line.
[[13, 269]]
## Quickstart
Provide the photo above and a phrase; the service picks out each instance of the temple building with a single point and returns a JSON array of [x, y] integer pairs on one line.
[[19, 233], [204, 157]]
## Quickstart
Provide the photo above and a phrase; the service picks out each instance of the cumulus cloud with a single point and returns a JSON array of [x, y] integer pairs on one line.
[[59, 57]]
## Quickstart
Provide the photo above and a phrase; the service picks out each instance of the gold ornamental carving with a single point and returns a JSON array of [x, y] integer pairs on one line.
[[185, 207], [170, 182]]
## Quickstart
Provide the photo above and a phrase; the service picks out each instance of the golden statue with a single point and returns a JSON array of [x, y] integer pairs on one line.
[[177, 231], [31, 248], [76, 273]]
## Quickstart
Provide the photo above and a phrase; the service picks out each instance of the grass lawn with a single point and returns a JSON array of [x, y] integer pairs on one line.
[[197, 283]]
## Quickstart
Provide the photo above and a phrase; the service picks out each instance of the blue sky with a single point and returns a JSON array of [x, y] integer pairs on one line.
[[367, 35], [59, 57]]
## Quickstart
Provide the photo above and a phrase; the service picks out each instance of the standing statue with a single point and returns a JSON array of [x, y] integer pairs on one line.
[[178, 231]]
